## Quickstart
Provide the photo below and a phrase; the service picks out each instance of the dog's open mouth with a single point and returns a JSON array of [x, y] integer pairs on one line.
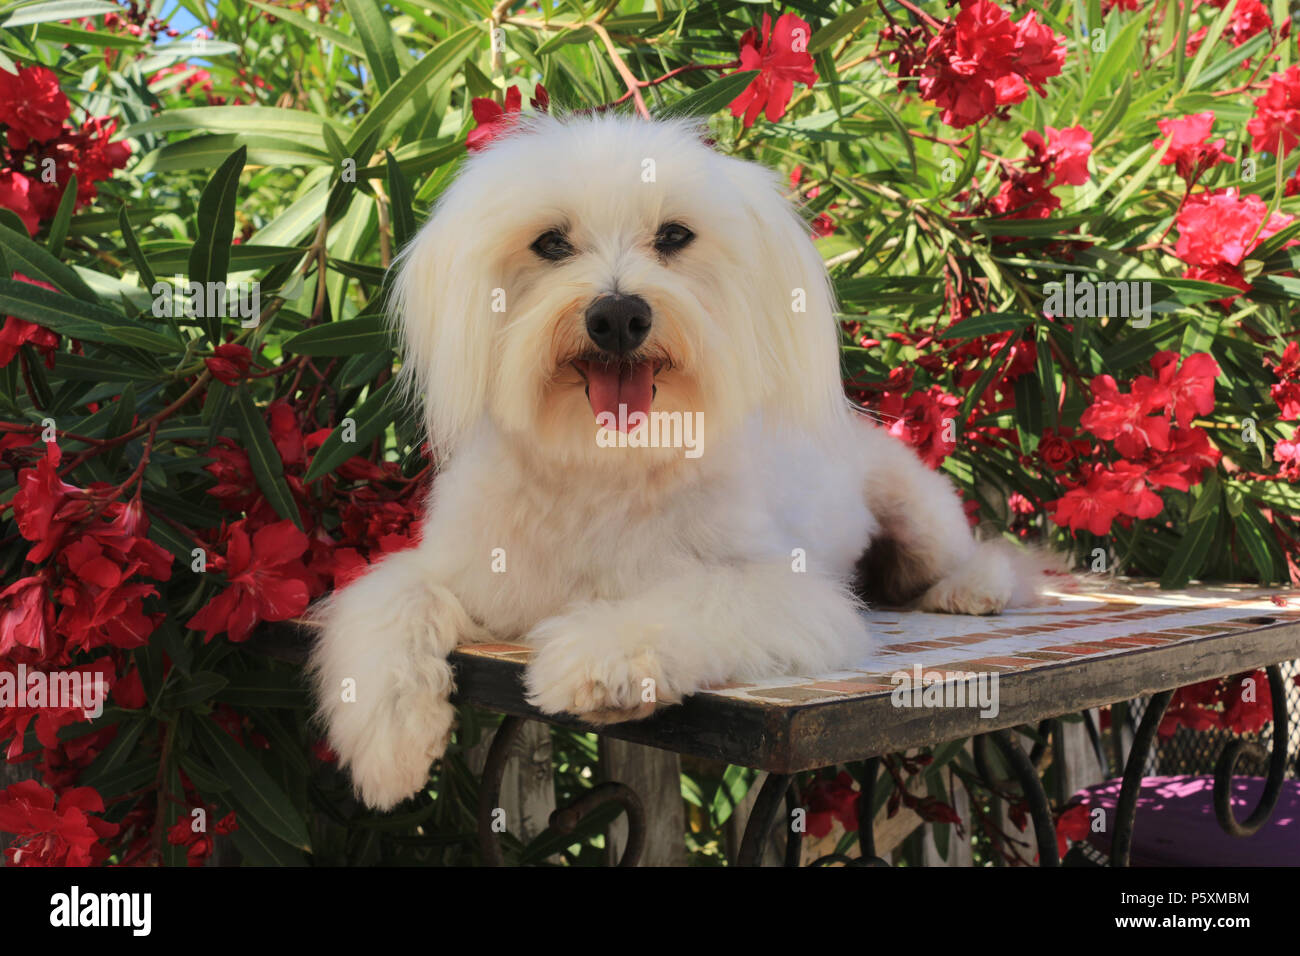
[[613, 384]]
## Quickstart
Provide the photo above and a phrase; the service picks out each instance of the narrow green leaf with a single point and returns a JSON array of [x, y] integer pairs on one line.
[[210, 255], [251, 787], [267, 467]]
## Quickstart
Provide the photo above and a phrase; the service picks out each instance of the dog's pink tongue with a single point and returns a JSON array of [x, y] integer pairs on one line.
[[609, 386]]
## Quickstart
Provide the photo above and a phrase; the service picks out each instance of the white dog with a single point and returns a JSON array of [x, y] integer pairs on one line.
[[574, 267]]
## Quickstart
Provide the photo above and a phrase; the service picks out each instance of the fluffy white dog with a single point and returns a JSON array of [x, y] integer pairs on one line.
[[622, 271]]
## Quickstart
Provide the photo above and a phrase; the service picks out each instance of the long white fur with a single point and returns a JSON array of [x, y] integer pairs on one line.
[[624, 566]]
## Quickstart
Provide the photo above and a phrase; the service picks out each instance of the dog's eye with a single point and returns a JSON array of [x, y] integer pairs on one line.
[[552, 245], [671, 237]]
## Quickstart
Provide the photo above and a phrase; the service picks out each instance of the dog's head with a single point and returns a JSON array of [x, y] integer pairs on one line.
[[581, 264]]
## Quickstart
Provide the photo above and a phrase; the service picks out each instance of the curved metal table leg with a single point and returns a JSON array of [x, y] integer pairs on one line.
[[1126, 811], [762, 818], [1236, 749], [489, 793], [1040, 810]]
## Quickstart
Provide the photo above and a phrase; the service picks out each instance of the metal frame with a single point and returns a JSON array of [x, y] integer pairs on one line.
[[778, 793]]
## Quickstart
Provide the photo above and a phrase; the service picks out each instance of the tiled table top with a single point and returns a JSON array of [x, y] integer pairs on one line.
[[1090, 647]]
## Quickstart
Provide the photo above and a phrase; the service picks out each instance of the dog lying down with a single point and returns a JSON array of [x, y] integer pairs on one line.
[[627, 351]]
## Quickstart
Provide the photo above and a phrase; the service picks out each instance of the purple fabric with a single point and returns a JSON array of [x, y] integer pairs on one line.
[[1176, 826]]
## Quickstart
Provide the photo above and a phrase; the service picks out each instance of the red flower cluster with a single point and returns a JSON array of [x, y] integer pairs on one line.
[[94, 556], [198, 843], [1249, 17], [1218, 229], [1189, 152], [782, 59], [66, 835], [274, 570], [1286, 391], [492, 119], [980, 62], [1241, 704], [40, 151], [1025, 190], [1275, 127], [1151, 428]]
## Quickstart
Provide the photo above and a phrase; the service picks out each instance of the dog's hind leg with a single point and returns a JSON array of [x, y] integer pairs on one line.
[[382, 681], [925, 554]]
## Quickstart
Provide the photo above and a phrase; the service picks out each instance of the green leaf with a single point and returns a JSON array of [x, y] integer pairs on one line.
[[710, 98], [267, 467], [431, 71], [401, 202], [62, 216], [841, 26], [265, 689], [328, 34], [366, 333], [990, 323], [251, 787], [210, 255], [57, 10], [23, 255], [374, 415], [291, 124], [147, 278], [1190, 556], [377, 38], [75, 319], [199, 688]]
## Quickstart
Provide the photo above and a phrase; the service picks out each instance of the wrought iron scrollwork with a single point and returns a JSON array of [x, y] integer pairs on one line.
[[1236, 749], [563, 820]]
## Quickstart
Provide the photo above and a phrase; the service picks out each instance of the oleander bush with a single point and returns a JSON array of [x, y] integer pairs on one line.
[[1063, 236]]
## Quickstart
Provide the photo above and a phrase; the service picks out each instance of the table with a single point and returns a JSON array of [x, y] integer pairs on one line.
[[1091, 647]]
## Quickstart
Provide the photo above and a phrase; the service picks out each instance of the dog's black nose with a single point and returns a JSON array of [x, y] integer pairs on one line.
[[618, 323]]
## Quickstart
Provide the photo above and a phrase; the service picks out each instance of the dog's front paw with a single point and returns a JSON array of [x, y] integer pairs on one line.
[[402, 740], [603, 669]]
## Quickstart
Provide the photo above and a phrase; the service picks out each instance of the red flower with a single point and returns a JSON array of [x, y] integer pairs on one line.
[[32, 103], [265, 581], [1218, 229], [19, 332], [39, 502], [1069, 150], [1275, 127], [1072, 824], [66, 836], [980, 62], [1191, 387], [830, 800], [493, 120], [1126, 419], [782, 60], [16, 196], [1188, 151], [229, 363], [27, 620]]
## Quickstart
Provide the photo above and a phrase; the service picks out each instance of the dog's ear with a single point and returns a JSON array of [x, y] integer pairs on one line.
[[442, 305], [794, 305]]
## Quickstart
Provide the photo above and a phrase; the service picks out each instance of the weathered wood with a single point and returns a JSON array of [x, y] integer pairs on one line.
[[656, 777], [805, 728]]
